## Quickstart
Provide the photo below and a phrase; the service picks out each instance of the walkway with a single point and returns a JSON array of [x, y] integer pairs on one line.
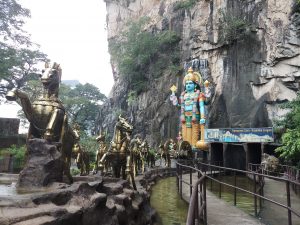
[[273, 214], [220, 212]]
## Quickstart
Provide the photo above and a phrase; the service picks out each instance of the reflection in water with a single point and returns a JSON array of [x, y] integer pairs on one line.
[[244, 200], [172, 210], [8, 188]]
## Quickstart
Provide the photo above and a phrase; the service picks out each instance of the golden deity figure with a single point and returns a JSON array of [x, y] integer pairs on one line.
[[191, 102]]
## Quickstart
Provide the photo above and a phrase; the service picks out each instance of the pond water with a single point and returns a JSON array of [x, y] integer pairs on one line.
[[171, 209], [8, 189]]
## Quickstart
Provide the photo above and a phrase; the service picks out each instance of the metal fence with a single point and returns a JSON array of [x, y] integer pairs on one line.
[[10, 164], [211, 172], [285, 171]]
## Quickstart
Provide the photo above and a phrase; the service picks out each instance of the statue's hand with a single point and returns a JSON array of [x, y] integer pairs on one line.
[[202, 121]]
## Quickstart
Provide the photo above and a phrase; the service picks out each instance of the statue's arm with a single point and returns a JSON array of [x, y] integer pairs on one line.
[[202, 108]]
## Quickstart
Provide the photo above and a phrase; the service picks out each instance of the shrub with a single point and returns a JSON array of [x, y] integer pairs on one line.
[[232, 28], [187, 4], [74, 171], [90, 145], [131, 98], [18, 153]]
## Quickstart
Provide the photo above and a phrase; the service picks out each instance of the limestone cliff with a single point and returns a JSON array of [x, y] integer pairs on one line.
[[251, 72]]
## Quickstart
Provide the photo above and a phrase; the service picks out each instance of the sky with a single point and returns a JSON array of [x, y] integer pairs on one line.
[[73, 34]]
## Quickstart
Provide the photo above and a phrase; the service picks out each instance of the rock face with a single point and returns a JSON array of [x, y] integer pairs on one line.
[[43, 165], [91, 202], [250, 74]]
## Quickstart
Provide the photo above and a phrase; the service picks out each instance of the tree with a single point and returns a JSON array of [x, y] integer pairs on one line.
[[290, 149], [82, 104], [18, 55]]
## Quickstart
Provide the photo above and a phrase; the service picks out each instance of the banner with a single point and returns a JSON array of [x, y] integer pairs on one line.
[[264, 134]]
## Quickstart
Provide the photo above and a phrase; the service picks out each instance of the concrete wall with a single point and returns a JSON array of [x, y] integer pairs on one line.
[[9, 133], [9, 126]]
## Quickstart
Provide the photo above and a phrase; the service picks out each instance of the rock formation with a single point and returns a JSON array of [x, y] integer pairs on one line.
[[91, 202], [43, 165], [250, 51]]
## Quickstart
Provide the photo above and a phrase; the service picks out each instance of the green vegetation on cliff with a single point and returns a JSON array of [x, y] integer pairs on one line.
[[141, 54], [232, 28], [187, 4]]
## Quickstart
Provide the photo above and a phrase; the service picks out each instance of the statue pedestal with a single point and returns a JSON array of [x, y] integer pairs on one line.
[[43, 165]]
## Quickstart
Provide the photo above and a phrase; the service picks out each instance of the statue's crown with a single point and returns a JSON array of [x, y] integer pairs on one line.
[[193, 76]]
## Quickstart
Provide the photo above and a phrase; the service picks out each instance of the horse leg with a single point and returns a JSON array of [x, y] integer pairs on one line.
[[87, 164], [48, 135], [67, 165]]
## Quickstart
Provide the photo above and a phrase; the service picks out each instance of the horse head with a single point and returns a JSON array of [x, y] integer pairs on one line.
[[124, 125], [51, 77]]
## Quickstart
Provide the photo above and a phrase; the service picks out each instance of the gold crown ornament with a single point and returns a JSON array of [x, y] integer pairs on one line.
[[193, 76]]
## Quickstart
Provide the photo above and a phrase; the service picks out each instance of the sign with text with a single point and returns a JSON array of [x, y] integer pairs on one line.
[[264, 134]]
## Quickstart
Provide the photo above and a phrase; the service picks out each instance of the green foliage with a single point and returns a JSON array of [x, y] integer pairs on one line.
[[18, 54], [18, 153], [82, 104], [139, 53], [118, 112], [290, 150], [290, 125], [232, 28], [131, 98], [296, 7], [187, 4], [90, 145], [74, 171]]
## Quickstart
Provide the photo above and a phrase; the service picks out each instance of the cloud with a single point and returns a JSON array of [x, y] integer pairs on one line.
[[73, 34]]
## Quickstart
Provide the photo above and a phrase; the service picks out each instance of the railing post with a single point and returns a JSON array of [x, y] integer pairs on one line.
[[196, 212], [288, 198], [191, 182], [260, 191], [220, 185], [180, 181], [211, 179], [204, 202], [201, 198], [177, 177], [255, 198], [234, 197]]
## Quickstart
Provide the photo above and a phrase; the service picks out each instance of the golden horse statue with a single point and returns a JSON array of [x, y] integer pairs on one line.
[[47, 115], [82, 159], [136, 153], [100, 153], [119, 154]]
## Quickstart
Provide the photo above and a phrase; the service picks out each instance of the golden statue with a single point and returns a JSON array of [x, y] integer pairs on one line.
[[118, 154], [100, 152], [47, 116], [81, 156]]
